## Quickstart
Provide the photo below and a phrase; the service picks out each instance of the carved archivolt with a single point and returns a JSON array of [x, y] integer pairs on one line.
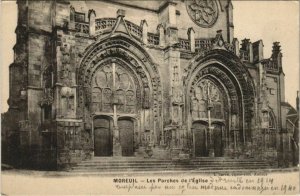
[[215, 72], [130, 59], [235, 77], [207, 93]]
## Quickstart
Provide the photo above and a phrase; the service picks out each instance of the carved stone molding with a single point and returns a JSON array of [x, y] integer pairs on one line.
[[207, 72], [127, 52], [235, 70]]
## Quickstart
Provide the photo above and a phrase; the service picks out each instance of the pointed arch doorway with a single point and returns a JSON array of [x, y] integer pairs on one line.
[[114, 92], [209, 116]]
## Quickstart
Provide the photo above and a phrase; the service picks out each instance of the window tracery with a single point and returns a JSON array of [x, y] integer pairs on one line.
[[207, 94], [113, 85]]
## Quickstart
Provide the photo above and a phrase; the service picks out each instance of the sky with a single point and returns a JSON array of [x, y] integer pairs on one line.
[[267, 20]]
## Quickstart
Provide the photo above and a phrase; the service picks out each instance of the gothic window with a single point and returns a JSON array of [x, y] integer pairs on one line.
[[207, 95], [116, 87]]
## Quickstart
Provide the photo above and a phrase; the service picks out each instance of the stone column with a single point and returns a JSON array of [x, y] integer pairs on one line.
[[117, 148], [211, 133], [233, 145]]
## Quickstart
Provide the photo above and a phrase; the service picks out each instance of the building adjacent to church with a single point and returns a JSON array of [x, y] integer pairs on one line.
[[161, 79]]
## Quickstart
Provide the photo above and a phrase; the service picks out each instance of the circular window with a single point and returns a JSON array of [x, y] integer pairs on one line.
[[203, 12]]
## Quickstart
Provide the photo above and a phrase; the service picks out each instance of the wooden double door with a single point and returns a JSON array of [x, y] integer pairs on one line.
[[202, 139], [103, 136]]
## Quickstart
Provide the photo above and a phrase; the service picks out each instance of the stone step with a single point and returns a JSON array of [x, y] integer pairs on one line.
[[170, 167], [165, 169], [162, 164], [170, 163], [107, 164], [174, 160]]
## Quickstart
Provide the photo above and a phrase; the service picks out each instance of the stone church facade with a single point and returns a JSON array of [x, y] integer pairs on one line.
[[156, 79]]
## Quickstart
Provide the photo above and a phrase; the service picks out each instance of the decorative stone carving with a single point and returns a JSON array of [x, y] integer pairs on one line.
[[120, 50], [208, 94], [66, 72], [235, 66], [116, 86], [146, 101], [203, 12], [47, 98]]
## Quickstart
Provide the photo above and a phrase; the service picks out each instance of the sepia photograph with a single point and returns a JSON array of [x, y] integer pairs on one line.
[[121, 97]]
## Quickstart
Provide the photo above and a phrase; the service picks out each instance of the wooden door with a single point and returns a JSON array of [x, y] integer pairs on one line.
[[200, 139], [126, 128], [217, 140], [102, 137]]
